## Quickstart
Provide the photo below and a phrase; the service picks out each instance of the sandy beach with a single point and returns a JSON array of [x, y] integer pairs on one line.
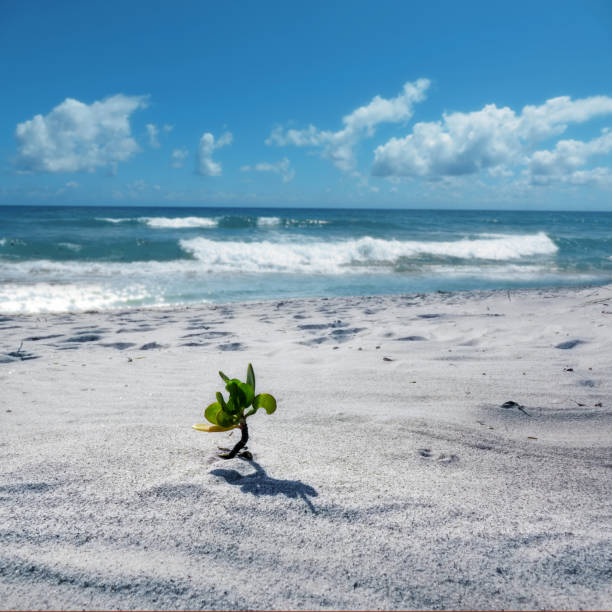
[[390, 477]]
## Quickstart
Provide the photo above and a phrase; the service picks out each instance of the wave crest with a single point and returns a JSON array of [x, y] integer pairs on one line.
[[334, 258], [178, 222], [114, 220]]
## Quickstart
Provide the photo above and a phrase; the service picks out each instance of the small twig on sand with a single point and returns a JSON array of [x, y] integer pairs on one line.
[[513, 404]]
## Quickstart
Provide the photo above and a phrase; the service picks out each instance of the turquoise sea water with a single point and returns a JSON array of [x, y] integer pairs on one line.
[[55, 259]]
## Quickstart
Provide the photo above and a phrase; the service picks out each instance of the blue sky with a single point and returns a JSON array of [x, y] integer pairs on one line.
[[364, 104]]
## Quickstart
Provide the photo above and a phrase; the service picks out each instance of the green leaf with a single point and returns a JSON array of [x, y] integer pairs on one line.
[[223, 376], [265, 401], [221, 400], [248, 393], [250, 377], [232, 387], [232, 407], [240, 392], [225, 420], [210, 414]]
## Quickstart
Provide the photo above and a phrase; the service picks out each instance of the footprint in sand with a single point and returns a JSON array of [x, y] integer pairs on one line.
[[231, 346], [447, 458], [151, 345], [120, 346], [569, 344], [441, 458], [37, 338], [84, 337]]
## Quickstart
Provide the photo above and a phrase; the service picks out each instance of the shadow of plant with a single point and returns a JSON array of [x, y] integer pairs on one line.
[[259, 483]]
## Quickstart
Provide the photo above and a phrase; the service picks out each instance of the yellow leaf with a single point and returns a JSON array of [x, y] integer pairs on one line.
[[211, 428]]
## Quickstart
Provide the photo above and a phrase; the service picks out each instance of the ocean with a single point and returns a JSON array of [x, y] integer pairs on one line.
[[58, 259]]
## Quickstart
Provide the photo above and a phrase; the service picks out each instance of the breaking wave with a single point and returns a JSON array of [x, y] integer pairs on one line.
[[114, 220], [339, 257], [223, 221], [178, 222]]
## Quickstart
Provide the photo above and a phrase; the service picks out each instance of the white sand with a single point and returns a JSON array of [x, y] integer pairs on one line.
[[378, 483]]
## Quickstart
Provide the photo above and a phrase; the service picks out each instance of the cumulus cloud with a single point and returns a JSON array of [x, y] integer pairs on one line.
[[76, 136], [553, 117], [153, 132], [565, 162], [283, 168], [178, 157], [205, 164], [488, 139], [338, 146], [597, 176]]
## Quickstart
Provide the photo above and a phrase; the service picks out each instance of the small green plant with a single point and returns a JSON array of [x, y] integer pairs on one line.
[[233, 412]]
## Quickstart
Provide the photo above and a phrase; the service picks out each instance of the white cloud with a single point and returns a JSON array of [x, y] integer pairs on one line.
[[310, 137], [178, 157], [205, 164], [338, 146], [463, 143], [72, 184], [380, 110], [79, 137], [564, 163], [282, 167], [488, 139], [153, 132], [167, 128], [598, 176], [552, 117]]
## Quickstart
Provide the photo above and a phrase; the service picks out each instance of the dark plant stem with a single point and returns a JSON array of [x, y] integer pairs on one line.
[[244, 428]]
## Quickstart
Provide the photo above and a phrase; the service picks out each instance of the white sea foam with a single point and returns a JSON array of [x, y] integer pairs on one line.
[[351, 256], [267, 221], [334, 258], [19, 298], [114, 220], [316, 222], [178, 222], [274, 221], [83, 271], [2, 241], [306, 222]]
